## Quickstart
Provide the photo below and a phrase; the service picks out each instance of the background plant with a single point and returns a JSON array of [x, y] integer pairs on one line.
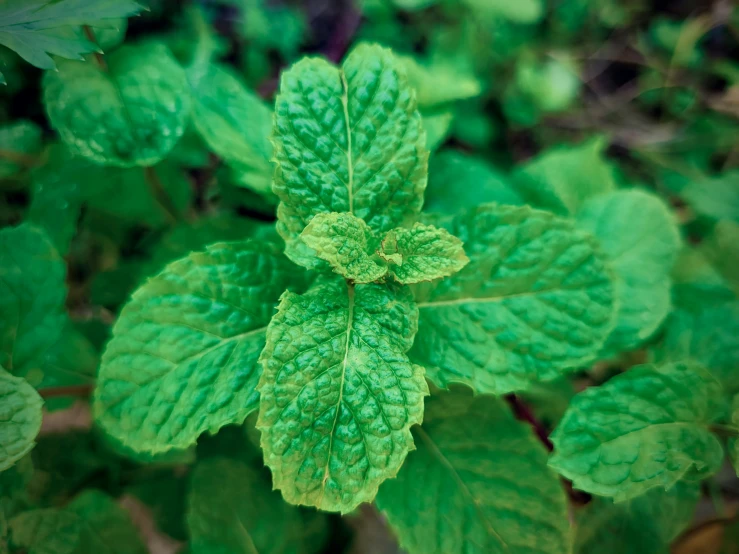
[[448, 275]]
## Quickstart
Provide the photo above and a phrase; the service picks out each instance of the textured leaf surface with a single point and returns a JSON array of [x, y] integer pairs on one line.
[[535, 300], [92, 522], [131, 114], [347, 243], [183, 357], [643, 429], [235, 123], [32, 294], [338, 392], [348, 139], [562, 178], [462, 491], [422, 253], [20, 418], [232, 508], [640, 237], [19, 142], [32, 27], [648, 523]]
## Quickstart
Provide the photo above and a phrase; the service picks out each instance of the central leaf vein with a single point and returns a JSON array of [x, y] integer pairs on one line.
[[350, 166]]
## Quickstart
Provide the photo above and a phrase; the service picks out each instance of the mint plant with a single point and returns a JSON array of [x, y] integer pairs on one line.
[[241, 320]]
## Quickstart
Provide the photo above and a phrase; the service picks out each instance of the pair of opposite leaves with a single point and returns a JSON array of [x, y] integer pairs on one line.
[[338, 392]]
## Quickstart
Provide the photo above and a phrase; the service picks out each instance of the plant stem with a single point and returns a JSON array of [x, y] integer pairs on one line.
[[160, 195], [714, 492], [725, 430], [97, 56], [82, 391], [524, 413], [19, 158]]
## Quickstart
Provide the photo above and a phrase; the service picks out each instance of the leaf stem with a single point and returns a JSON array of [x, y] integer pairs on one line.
[[725, 430], [97, 56], [160, 195], [19, 158], [82, 391]]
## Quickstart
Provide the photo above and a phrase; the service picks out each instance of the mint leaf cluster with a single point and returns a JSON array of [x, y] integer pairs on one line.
[[241, 320]]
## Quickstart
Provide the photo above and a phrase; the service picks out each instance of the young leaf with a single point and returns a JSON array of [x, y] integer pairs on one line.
[[347, 139], [234, 122], [640, 236], [338, 393], [535, 300], [20, 142], [34, 28], [422, 253], [20, 418], [463, 489], [347, 243], [131, 113], [648, 523], [232, 508], [562, 178], [646, 428], [32, 295], [92, 522], [183, 357]]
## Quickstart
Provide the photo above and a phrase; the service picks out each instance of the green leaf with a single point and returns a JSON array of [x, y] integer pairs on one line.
[[439, 83], [72, 360], [722, 248], [56, 197], [436, 125], [128, 194], [338, 393], [36, 28], [20, 418], [535, 301], [639, 235], [715, 197], [648, 523], [478, 483], [32, 295], [235, 123], [347, 243], [562, 178], [347, 139], [521, 11], [422, 253], [643, 429], [183, 357], [233, 509], [132, 113], [20, 142], [92, 522], [709, 335], [458, 181], [733, 442]]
